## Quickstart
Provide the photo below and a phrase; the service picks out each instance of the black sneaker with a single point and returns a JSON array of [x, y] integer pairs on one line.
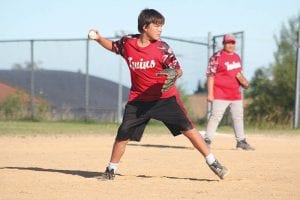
[[108, 174], [219, 170], [207, 141], [244, 145]]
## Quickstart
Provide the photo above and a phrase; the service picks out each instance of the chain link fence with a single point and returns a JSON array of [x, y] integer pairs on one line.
[[80, 80]]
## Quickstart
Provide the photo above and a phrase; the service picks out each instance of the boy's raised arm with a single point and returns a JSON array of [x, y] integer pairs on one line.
[[106, 43]]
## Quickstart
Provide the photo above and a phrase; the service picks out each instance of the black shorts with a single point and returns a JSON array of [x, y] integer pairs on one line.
[[137, 114]]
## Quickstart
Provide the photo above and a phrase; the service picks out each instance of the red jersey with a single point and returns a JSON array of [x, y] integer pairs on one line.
[[144, 63], [224, 67]]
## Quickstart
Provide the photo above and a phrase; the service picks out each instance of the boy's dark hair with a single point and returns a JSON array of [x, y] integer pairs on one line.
[[148, 16]]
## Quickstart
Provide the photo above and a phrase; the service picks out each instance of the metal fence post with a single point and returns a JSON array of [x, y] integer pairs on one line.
[[87, 82], [32, 86], [209, 48], [297, 86], [120, 93], [243, 48]]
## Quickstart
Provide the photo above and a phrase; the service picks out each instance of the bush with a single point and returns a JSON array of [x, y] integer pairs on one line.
[[17, 106], [13, 107]]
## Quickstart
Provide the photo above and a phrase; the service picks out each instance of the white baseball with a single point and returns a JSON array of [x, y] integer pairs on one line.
[[92, 35]]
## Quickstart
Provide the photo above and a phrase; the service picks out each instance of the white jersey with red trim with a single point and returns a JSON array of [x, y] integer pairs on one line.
[[144, 63]]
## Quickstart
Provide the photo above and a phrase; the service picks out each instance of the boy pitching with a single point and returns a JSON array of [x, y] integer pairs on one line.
[[153, 94]]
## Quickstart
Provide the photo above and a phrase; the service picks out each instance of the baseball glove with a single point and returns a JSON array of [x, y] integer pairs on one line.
[[172, 76], [242, 80]]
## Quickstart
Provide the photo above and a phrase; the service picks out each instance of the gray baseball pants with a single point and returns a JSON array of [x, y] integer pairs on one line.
[[218, 108]]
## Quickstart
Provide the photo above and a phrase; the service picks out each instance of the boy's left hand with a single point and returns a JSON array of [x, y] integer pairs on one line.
[[172, 76]]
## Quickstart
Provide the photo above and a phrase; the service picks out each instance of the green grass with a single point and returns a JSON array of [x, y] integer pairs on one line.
[[53, 128], [69, 128], [78, 128]]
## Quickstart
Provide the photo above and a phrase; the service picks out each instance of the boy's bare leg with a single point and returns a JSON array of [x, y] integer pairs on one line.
[[116, 155], [196, 139], [118, 150]]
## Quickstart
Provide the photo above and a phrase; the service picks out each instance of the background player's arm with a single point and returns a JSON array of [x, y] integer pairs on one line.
[[210, 88], [179, 71], [211, 70], [106, 43]]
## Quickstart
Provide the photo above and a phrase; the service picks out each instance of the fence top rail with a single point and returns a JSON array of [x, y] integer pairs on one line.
[[50, 40], [85, 39], [184, 40], [235, 33]]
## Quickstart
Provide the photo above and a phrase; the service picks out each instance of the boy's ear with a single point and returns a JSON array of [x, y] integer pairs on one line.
[[145, 27]]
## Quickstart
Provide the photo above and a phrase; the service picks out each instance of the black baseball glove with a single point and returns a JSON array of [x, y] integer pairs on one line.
[[172, 76]]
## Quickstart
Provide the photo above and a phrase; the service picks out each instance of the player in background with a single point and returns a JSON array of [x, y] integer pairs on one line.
[[153, 95], [224, 90]]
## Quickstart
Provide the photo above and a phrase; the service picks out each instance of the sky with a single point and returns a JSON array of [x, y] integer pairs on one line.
[[188, 19]]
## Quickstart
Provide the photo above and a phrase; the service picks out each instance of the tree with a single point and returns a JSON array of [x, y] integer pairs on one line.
[[260, 94], [27, 66], [272, 89], [17, 66]]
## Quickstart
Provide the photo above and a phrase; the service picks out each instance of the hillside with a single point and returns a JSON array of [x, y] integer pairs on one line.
[[66, 90]]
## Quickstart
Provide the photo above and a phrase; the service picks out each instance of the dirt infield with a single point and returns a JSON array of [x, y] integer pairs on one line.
[[160, 167]]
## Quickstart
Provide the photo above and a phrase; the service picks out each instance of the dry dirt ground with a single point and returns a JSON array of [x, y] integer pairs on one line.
[[159, 167]]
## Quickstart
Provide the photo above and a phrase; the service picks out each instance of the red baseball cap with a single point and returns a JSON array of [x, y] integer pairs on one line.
[[228, 38]]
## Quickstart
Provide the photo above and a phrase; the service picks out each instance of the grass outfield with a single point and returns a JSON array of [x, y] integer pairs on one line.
[[69, 128], [34, 128]]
